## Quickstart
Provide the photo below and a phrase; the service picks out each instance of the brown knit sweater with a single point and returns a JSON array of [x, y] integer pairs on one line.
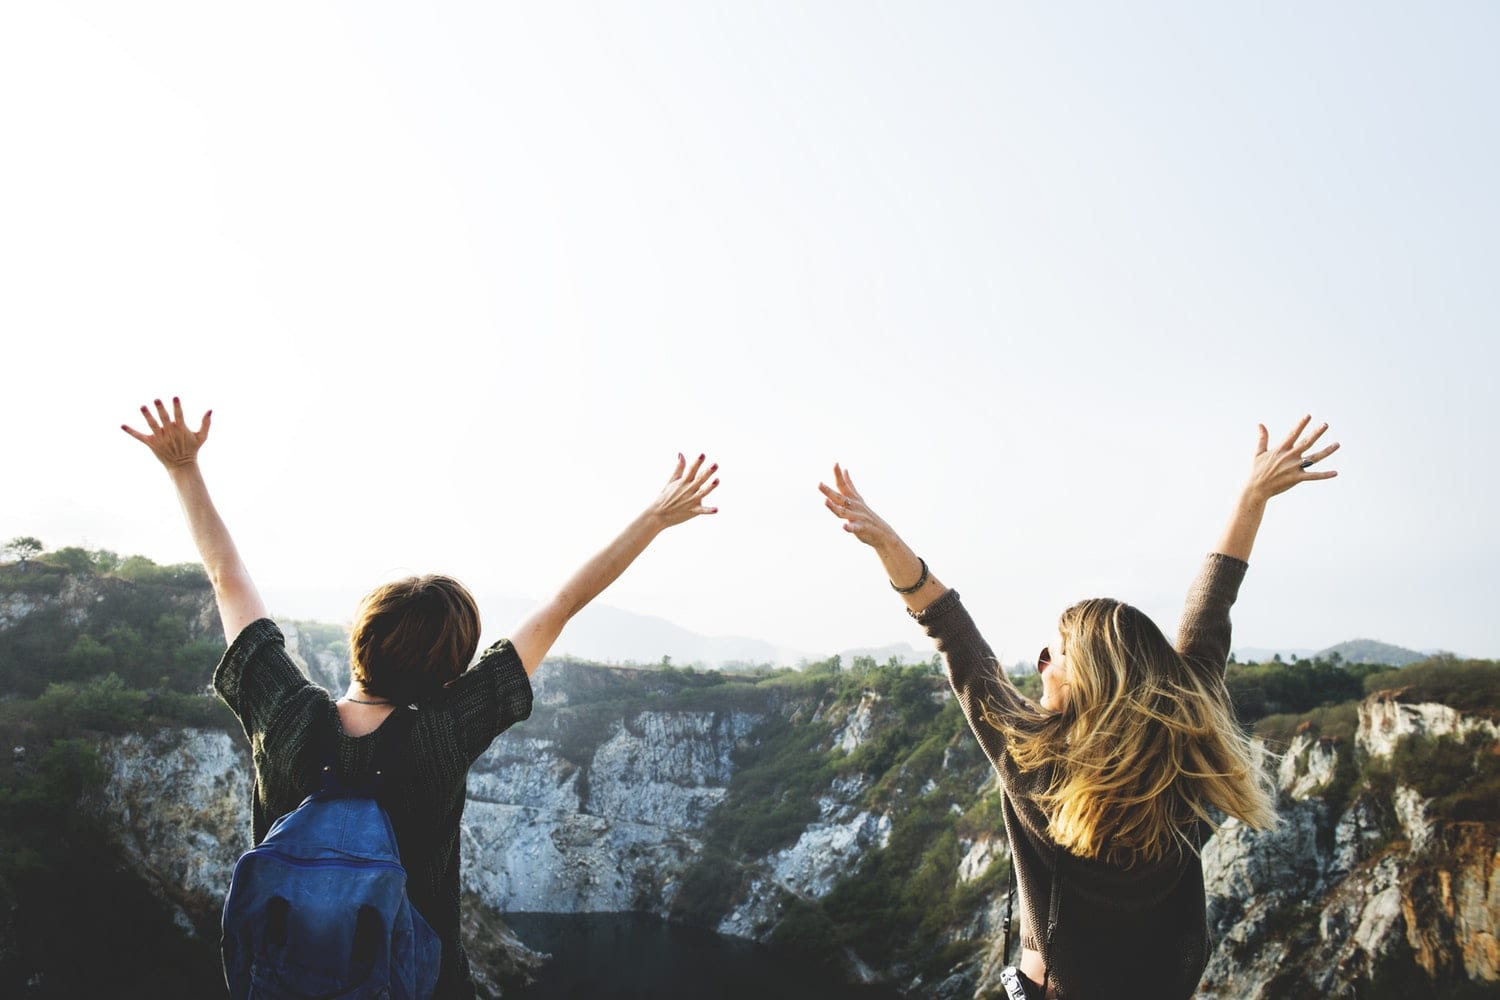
[[291, 722], [1140, 931]]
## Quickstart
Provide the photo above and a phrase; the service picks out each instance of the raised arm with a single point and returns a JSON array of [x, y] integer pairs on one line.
[[908, 573], [1203, 634], [984, 692], [1273, 471], [176, 446], [682, 499]]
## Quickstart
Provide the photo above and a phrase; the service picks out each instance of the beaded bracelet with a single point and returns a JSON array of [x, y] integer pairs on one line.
[[916, 586]]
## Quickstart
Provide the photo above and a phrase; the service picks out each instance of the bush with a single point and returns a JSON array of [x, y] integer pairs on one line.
[[72, 559], [200, 710], [1339, 722], [1263, 689], [87, 657], [1462, 777], [806, 933], [1467, 685], [139, 569], [709, 890], [103, 704], [773, 794], [36, 579]]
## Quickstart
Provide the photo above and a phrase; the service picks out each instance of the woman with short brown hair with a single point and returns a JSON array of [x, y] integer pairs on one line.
[[413, 640]]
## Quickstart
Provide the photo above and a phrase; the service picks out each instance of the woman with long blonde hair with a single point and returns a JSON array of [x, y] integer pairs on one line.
[[1116, 776]]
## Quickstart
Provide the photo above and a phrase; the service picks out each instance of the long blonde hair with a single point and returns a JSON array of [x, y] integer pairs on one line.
[[1145, 746]]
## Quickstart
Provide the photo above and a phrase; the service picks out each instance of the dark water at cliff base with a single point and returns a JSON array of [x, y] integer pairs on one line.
[[634, 956]]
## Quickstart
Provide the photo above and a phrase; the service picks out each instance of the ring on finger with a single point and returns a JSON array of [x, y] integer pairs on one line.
[[1306, 463]]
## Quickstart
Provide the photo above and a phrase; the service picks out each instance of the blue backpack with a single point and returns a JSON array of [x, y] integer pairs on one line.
[[319, 908]]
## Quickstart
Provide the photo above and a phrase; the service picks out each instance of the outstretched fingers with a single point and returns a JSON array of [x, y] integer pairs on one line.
[[1305, 466], [1312, 438], [1291, 439], [1276, 470], [683, 496], [170, 438], [837, 499], [702, 495]]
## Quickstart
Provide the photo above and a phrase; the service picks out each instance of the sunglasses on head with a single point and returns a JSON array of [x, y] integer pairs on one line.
[[1044, 659]]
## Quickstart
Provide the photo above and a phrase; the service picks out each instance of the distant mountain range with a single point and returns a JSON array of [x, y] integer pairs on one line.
[[611, 635], [1353, 651]]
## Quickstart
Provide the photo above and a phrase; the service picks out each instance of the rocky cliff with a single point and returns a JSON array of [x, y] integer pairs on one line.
[[606, 800], [846, 816], [1360, 887]]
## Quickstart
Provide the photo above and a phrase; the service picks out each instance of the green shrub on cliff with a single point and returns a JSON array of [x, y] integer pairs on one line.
[[1467, 685]]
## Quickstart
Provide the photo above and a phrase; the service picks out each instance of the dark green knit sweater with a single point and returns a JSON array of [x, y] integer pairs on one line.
[[1139, 931], [290, 722]]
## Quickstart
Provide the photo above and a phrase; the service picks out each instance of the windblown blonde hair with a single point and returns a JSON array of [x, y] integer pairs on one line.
[[1146, 745]]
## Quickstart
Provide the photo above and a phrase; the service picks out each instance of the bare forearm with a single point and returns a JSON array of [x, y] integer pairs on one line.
[[239, 601], [682, 499], [605, 567], [1239, 534], [537, 634], [905, 569], [907, 572]]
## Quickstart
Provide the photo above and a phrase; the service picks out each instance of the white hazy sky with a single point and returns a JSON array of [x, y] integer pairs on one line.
[[460, 279]]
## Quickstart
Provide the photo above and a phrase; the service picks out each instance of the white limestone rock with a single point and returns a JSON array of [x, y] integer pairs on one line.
[[1308, 766], [826, 852], [667, 769], [1384, 720], [858, 724], [979, 855], [178, 803]]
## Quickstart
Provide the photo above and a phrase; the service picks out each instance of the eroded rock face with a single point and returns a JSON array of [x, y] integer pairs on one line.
[[178, 802], [809, 868], [612, 818], [667, 769], [1384, 719], [1314, 907], [545, 834], [1308, 766]]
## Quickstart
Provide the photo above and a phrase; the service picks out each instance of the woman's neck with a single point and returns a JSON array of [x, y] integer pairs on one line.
[[359, 696]]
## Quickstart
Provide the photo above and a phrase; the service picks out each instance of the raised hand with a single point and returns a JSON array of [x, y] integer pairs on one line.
[[902, 565], [176, 446], [1276, 470], [682, 498], [170, 440], [1272, 471], [848, 505]]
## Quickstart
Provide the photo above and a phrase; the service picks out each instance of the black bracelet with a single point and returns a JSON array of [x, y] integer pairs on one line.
[[916, 586]]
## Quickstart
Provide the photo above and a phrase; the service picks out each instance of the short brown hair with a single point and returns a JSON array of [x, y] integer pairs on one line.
[[413, 636]]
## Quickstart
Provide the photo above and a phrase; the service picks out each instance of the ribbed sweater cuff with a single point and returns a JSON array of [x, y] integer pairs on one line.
[[935, 612]]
